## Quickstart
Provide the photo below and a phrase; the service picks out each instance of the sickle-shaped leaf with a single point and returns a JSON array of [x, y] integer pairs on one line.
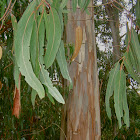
[[129, 67], [16, 69], [118, 91], [54, 38], [110, 88], [136, 45], [34, 50], [62, 62], [44, 75], [45, 79], [131, 54], [22, 52], [125, 105]]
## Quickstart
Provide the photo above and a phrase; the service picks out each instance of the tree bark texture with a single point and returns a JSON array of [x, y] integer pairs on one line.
[[83, 111], [113, 15]]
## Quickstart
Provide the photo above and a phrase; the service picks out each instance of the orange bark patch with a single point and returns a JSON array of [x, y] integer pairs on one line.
[[78, 42]]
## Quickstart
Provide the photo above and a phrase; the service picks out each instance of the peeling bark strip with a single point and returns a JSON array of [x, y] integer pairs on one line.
[[78, 42], [83, 112], [17, 105]]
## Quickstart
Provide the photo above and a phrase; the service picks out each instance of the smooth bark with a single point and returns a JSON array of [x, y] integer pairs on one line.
[[83, 109], [113, 15]]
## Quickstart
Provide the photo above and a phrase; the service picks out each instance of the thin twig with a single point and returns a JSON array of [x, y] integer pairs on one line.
[[6, 10], [8, 65]]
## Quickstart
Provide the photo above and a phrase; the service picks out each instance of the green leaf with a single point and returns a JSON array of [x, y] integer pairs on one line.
[[41, 33], [44, 77], [129, 67], [86, 4], [49, 96], [34, 45], [74, 4], [135, 45], [62, 62], [35, 48], [132, 59], [82, 3], [138, 13], [119, 86], [50, 1], [47, 20], [33, 96], [56, 4], [54, 38], [16, 69], [125, 105], [79, 2], [110, 88], [22, 51], [14, 23], [63, 4], [61, 21]]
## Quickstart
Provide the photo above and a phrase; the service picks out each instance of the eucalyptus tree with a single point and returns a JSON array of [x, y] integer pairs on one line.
[[38, 42], [83, 109]]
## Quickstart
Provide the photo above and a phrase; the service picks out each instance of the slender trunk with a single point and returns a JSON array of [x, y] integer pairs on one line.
[[113, 15], [83, 111]]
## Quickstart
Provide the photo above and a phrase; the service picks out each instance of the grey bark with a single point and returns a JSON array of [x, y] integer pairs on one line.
[[113, 15]]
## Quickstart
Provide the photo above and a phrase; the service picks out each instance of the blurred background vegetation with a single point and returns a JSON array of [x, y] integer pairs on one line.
[[43, 121]]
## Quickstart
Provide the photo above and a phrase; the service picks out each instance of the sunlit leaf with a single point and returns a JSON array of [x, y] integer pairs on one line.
[[54, 38], [22, 51], [110, 88]]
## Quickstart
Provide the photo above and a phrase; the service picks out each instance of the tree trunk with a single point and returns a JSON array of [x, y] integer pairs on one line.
[[113, 15], [83, 110]]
